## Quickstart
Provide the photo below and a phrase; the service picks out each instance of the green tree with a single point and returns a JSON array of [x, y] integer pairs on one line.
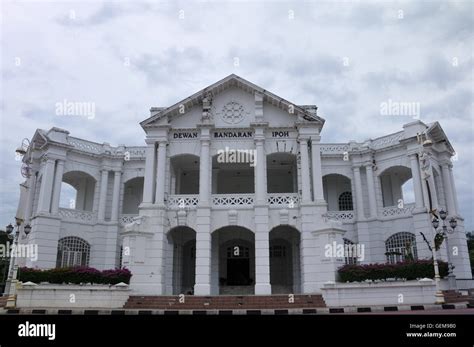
[[470, 247], [4, 259]]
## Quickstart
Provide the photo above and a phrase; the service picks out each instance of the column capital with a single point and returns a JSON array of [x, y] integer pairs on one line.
[[48, 158], [315, 139], [303, 138], [446, 163], [368, 164], [151, 141]]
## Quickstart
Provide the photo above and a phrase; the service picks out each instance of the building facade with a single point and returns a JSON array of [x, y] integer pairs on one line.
[[234, 193]]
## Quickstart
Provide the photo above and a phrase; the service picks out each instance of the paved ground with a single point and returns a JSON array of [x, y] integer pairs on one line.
[[461, 311]]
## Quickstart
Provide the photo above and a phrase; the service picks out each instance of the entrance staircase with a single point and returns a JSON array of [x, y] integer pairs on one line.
[[223, 302], [452, 296]]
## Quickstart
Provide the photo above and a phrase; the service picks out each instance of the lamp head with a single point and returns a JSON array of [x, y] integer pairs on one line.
[[9, 228], [443, 214], [453, 223], [27, 229]]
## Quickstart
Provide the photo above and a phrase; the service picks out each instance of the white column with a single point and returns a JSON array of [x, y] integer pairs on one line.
[[104, 181], [46, 189], [305, 181], [204, 171], [448, 190], [358, 191], [31, 197], [318, 193], [417, 184], [203, 251], [116, 196], [371, 190], [259, 170], [58, 179], [149, 182], [434, 193], [262, 261], [160, 173], [215, 178], [453, 189]]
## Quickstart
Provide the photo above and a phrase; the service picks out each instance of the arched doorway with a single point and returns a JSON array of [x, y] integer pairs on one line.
[[181, 264], [284, 260], [234, 262], [77, 191]]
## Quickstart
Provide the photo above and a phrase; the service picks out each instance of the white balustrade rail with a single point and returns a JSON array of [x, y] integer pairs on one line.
[[342, 216], [290, 200], [334, 148], [388, 140], [77, 215], [85, 146], [135, 152], [234, 200], [182, 201], [127, 218], [394, 211], [132, 152]]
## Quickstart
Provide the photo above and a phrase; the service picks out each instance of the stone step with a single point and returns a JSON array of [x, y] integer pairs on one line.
[[452, 296], [221, 302]]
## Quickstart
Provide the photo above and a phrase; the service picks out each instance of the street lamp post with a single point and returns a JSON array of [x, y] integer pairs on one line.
[[13, 268], [444, 232], [439, 296]]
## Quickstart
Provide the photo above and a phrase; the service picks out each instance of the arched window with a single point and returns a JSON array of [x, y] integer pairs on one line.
[[238, 251], [277, 251], [401, 247], [73, 251], [345, 202]]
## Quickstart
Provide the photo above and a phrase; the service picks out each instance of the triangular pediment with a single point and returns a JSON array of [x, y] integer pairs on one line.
[[159, 114], [437, 135]]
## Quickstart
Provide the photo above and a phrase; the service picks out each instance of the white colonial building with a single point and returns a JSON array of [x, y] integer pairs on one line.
[[234, 193]]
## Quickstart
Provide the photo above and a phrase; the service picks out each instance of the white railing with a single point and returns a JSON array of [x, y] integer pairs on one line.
[[135, 152], [289, 200], [182, 201], [86, 146], [341, 216], [127, 219], [334, 148], [77, 215], [235, 200], [388, 140], [394, 211]]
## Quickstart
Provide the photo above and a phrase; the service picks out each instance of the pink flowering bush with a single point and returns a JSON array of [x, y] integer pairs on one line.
[[409, 270], [74, 275]]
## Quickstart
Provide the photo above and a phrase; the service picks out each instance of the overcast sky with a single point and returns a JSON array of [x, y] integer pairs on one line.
[[126, 56]]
